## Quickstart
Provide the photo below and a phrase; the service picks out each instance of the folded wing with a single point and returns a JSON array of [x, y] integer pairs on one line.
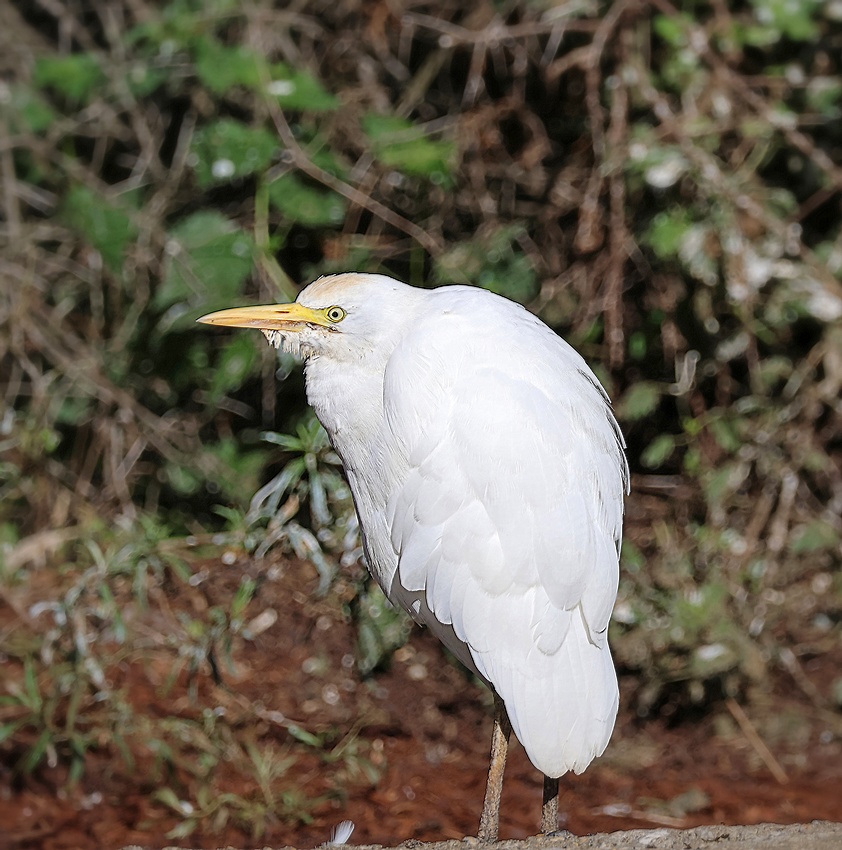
[[506, 519]]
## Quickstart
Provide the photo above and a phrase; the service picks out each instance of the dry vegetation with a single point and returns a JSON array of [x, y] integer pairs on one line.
[[662, 183]]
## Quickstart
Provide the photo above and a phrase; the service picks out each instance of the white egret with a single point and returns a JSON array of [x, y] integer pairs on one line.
[[488, 473]]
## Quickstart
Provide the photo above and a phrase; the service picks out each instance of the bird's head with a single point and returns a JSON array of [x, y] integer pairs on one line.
[[343, 316]]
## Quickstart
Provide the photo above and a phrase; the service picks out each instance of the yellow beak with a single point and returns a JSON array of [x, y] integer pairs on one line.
[[268, 317]]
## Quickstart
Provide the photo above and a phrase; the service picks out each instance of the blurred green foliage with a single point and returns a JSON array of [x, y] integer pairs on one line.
[[396, 142], [666, 195]]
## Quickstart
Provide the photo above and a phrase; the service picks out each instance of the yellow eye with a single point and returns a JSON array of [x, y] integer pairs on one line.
[[335, 314]]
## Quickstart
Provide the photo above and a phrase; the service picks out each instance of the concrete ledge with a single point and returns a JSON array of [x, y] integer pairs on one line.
[[818, 835]]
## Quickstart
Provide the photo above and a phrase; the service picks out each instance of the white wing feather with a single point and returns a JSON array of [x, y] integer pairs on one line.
[[506, 515]]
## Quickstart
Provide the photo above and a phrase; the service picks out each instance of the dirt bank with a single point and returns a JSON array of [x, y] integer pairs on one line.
[[415, 753]]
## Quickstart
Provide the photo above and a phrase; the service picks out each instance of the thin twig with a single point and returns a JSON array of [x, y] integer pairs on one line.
[[48, 335], [700, 44], [10, 186], [710, 170], [590, 234], [618, 231], [306, 165], [747, 728], [497, 31]]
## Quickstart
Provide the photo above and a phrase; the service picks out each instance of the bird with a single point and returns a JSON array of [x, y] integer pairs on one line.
[[488, 472]]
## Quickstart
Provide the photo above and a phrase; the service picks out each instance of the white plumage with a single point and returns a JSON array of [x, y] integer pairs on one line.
[[488, 473]]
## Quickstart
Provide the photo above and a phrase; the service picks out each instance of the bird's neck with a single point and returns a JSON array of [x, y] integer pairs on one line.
[[350, 407], [349, 404]]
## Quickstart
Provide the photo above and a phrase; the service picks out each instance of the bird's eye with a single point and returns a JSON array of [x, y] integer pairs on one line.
[[335, 314]]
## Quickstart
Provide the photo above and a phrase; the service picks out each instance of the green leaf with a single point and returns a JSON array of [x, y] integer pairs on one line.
[[300, 90], [381, 629], [221, 68], [7, 730], [667, 232], [710, 660], [142, 80], [236, 473], [36, 753], [208, 257], [77, 77], [286, 441], [638, 345], [77, 769], [304, 736], [790, 18], [702, 607], [516, 280], [824, 94], [170, 799], [639, 401], [229, 149], [29, 111], [182, 479], [774, 369], [107, 226], [307, 204], [74, 410], [659, 450], [327, 160], [674, 29], [237, 363], [632, 558], [725, 434], [400, 144], [756, 36], [493, 260], [244, 595], [723, 482], [814, 537]]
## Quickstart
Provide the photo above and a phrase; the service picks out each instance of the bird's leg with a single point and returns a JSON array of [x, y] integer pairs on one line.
[[549, 810], [489, 822]]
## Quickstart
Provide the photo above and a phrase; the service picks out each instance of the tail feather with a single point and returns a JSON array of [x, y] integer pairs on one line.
[[563, 706]]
